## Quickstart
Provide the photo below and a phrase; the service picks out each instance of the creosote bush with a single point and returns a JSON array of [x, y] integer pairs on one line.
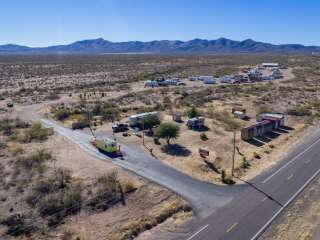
[[36, 133]]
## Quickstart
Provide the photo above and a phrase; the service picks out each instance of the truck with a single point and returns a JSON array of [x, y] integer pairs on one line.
[[119, 127], [195, 123], [107, 146]]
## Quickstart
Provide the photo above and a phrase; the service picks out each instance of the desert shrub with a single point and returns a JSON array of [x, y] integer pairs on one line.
[[59, 180], [171, 209], [107, 193], [17, 151], [299, 111], [145, 109], [229, 122], [67, 235], [128, 186], [3, 145], [110, 113], [18, 224], [226, 179], [33, 161], [256, 155], [53, 96], [245, 163], [135, 226], [36, 133], [203, 137], [62, 114], [18, 123], [264, 109], [51, 204], [193, 112], [63, 202]]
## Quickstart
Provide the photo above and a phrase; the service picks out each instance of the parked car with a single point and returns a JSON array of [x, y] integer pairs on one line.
[[119, 127]]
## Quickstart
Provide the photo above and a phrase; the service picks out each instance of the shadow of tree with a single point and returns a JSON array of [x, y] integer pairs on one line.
[[176, 150], [201, 129]]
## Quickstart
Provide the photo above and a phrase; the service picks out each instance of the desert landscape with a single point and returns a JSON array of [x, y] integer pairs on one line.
[[53, 189]]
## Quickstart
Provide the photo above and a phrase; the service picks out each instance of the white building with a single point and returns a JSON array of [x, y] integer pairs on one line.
[[270, 65]]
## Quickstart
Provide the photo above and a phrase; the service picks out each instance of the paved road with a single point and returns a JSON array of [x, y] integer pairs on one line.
[[251, 212], [204, 197]]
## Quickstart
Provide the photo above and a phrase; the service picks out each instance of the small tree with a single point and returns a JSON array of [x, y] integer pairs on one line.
[[168, 131], [110, 113], [149, 121], [193, 112]]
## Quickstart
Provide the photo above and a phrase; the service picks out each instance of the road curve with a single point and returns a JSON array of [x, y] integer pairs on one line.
[[203, 196]]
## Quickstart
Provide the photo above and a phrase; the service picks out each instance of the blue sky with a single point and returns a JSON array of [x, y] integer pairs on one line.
[[50, 22]]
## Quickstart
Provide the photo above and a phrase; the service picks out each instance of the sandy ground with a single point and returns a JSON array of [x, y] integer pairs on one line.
[[147, 200], [301, 220]]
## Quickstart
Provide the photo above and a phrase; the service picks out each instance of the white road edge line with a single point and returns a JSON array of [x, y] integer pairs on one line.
[[284, 206], [291, 161], [196, 233]]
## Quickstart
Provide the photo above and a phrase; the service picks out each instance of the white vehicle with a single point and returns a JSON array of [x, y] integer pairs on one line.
[[151, 83], [171, 82], [205, 78], [191, 78]]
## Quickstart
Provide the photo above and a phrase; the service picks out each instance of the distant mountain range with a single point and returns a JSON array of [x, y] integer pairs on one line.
[[218, 46]]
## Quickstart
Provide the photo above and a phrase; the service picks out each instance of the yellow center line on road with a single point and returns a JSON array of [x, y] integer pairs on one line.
[[232, 227], [290, 176]]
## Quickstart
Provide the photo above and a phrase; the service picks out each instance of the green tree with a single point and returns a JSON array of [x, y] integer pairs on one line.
[[193, 112], [149, 121], [110, 113], [168, 131]]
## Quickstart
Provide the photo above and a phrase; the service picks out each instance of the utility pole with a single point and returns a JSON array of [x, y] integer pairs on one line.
[[143, 131], [234, 152]]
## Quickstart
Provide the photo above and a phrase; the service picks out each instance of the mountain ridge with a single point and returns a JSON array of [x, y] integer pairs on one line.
[[197, 45]]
